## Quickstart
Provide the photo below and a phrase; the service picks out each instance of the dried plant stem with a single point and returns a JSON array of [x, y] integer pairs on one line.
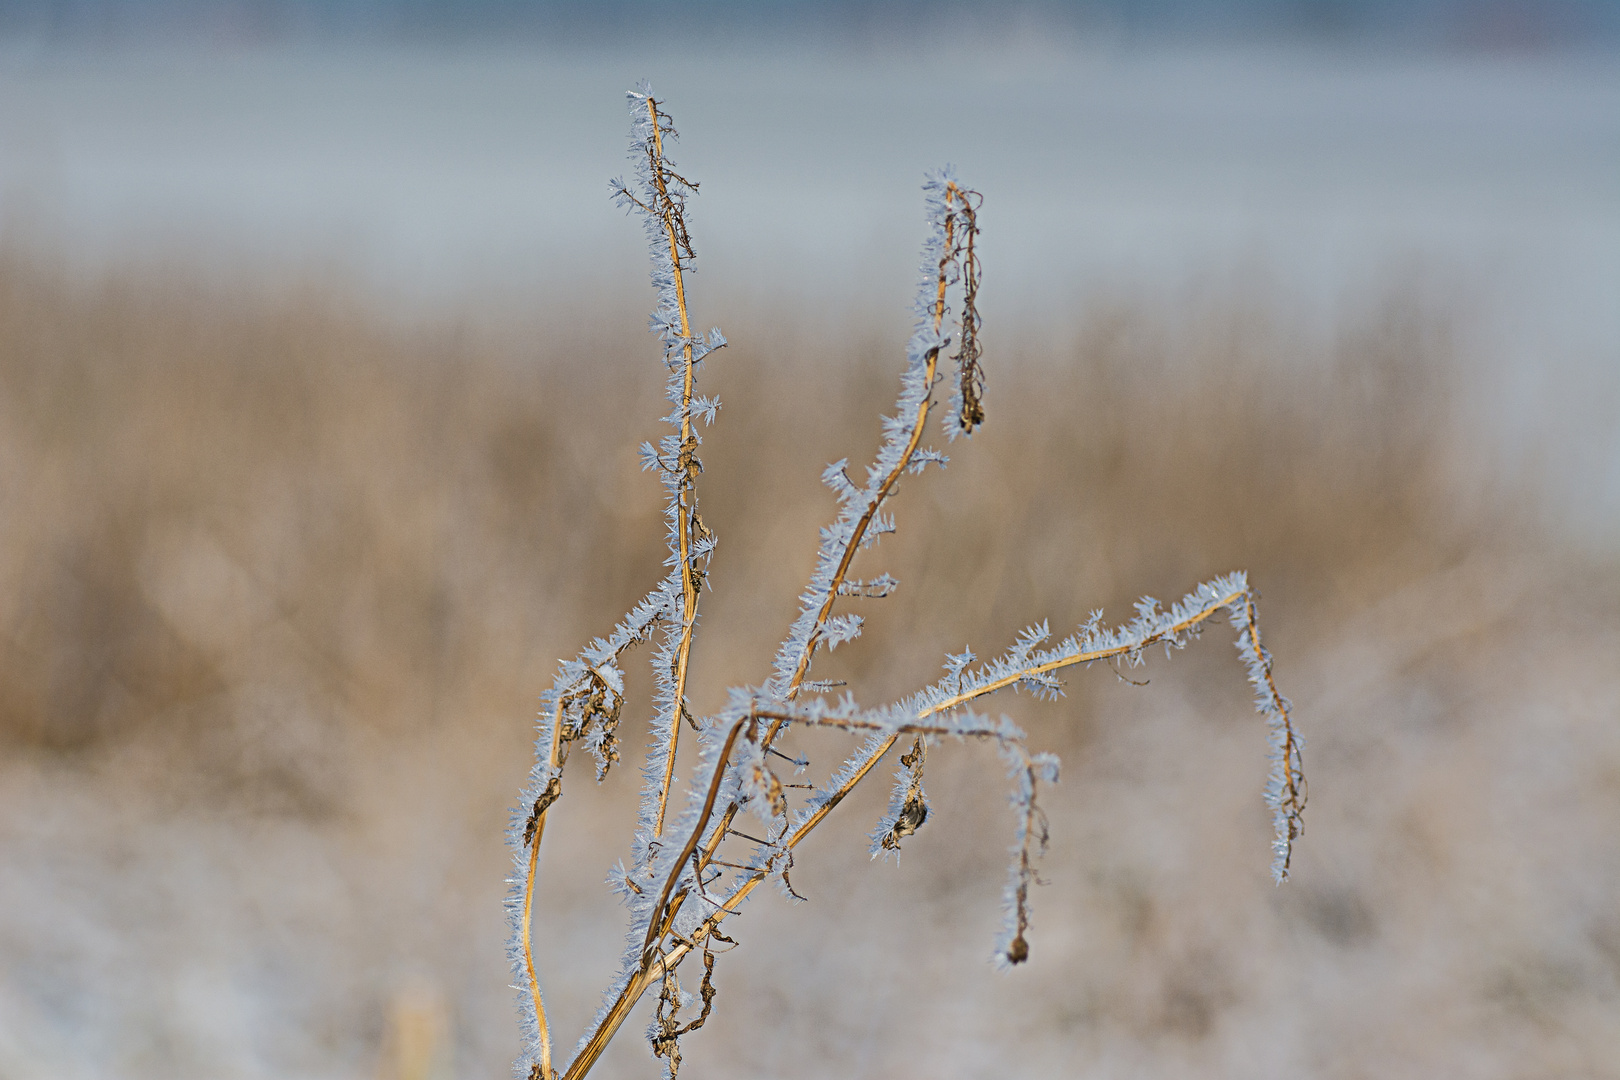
[[528, 952], [1292, 794], [736, 746], [1173, 631], [528, 903], [555, 757], [889, 481], [688, 496]]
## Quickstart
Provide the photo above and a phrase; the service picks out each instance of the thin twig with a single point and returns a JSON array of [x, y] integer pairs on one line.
[[675, 229]]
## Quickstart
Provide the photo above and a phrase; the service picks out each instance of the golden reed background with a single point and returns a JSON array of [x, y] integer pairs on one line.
[[281, 579]]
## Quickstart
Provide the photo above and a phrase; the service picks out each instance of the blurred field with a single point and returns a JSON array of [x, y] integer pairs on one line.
[[281, 579]]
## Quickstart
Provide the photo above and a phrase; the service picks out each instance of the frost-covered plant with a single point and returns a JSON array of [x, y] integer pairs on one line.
[[692, 866]]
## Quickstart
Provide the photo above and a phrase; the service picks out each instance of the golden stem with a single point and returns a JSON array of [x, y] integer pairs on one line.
[[1294, 805], [689, 593], [803, 667], [1082, 658], [654, 922], [528, 906], [528, 951]]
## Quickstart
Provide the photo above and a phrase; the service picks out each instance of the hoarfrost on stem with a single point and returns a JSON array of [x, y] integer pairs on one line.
[[686, 875]]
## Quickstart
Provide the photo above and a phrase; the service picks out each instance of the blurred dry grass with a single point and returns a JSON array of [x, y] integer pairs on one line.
[[280, 581]]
